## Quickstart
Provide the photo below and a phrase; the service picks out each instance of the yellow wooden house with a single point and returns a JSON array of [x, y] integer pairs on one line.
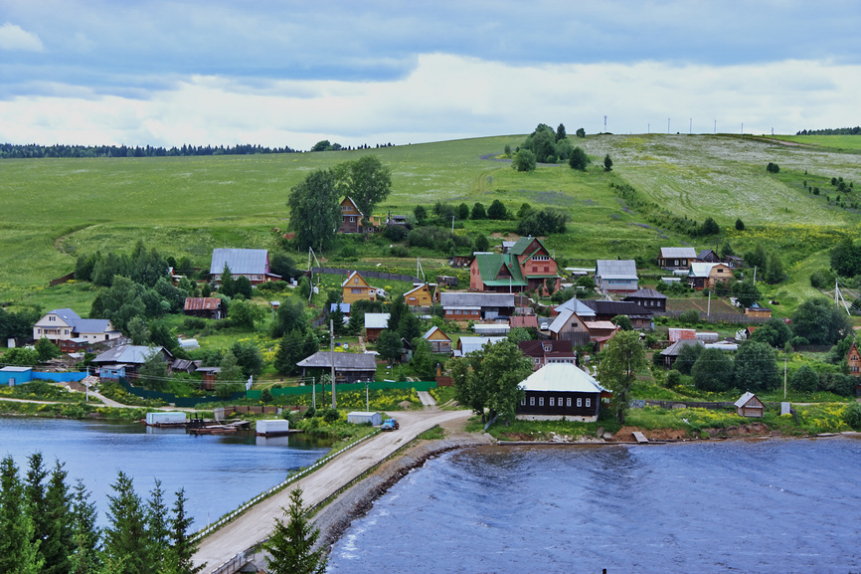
[[355, 288], [439, 341], [420, 296]]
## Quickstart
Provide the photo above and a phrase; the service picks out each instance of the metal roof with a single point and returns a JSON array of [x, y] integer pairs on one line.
[[470, 344], [616, 308], [561, 319], [343, 361], [345, 308], [678, 253], [745, 398], [699, 269], [491, 328], [561, 377], [576, 305], [92, 326], [16, 369], [66, 315], [523, 244], [202, 303], [432, 330], [132, 354], [524, 321], [616, 269], [645, 294], [676, 348], [240, 261], [377, 320], [477, 300], [490, 266]]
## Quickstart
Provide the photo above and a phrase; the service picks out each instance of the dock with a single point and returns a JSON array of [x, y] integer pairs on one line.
[[641, 438], [220, 429]]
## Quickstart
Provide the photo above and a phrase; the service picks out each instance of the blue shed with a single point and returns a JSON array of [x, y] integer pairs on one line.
[[15, 375]]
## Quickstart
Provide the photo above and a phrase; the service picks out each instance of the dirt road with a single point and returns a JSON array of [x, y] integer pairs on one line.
[[256, 524]]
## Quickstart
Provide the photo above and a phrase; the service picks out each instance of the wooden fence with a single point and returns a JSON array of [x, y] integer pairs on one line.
[[735, 318], [61, 280]]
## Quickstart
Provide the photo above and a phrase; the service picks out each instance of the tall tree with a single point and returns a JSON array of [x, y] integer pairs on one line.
[[497, 210], [34, 491], [367, 182], [820, 322], [58, 544], [623, 357], [230, 376], [560, 133], [608, 163], [423, 363], [158, 534], [85, 558], [578, 159], [292, 544], [713, 371], [478, 211], [755, 367], [389, 345], [18, 553], [315, 212], [182, 546], [228, 285], [126, 547], [288, 353]]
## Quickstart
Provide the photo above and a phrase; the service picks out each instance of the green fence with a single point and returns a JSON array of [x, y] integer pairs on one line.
[[340, 388], [184, 402]]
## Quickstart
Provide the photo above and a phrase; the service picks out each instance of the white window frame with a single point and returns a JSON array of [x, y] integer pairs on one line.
[[579, 402], [588, 402], [568, 402], [540, 401], [552, 402], [531, 401]]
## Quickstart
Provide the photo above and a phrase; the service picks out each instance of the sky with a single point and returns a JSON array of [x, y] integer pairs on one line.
[[222, 72]]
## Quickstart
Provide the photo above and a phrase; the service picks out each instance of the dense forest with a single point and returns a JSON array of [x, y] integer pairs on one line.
[[832, 132], [17, 151]]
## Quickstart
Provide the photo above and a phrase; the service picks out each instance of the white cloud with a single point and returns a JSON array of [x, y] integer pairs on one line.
[[13, 37], [450, 96]]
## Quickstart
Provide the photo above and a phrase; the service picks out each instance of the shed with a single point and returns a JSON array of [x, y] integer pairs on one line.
[[15, 375], [360, 418], [161, 418], [671, 353], [707, 336], [272, 427], [375, 323], [439, 341], [749, 406]]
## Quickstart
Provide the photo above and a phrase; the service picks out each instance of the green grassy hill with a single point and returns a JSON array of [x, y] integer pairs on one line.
[[54, 208]]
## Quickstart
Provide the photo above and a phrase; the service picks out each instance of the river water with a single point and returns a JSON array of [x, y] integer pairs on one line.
[[777, 506], [218, 472]]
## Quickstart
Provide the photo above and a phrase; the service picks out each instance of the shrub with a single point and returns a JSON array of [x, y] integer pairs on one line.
[[193, 324], [400, 251], [395, 233], [821, 279], [691, 317], [524, 160], [713, 371], [310, 412], [674, 378], [266, 396], [772, 168], [348, 251], [739, 225], [805, 380], [852, 415], [331, 415]]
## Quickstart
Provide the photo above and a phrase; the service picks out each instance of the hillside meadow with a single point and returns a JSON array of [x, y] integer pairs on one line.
[[53, 209]]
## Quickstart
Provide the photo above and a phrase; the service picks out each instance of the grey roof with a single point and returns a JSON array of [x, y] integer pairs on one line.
[[678, 253], [576, 305], [240, 261], [616, 269], [66, 315], [699, 269], [477, 300], [82, 325], [343, 361], [16, 369], [132, 354], [561, 319], [676, 348], [645, 294], [377, 320], [561, 377], [345, 308], [745, 398], [470, 344]]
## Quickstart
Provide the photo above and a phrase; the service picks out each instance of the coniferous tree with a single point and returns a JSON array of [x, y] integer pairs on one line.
[[85, 534], [311, 344], [18, 553], [228, 286], [58, 544], [157, 527], [183, 547], [409, 326], [288, 350], [397, 310], [126, 548], [292, 544], [37, 506]]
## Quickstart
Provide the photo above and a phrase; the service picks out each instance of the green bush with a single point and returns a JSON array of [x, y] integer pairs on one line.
[[805, 380], [331, 415], [691, 317], [852, 415]]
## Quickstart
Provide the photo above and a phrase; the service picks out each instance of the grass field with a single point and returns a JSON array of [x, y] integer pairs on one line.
[[837, 142], [55, 208]]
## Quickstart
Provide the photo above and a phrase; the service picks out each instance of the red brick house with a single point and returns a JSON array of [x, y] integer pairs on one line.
[[527, 265]]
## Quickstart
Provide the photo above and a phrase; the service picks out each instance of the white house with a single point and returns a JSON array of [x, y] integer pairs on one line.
[[616, 276], [64, 325]]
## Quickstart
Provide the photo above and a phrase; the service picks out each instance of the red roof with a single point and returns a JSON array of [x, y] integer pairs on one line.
[[524, 321], [202, 303]]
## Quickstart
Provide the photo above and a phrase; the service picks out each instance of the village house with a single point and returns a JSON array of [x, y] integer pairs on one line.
[[13, 375], [208, 374], [61, 325], [205, 307], [477, 306], [527, 265], [397, 221], [853, 359], [420, 296], [757, 312], [250, 263], [749, 406], [543, 353], [466, 345], [708, 275], [676, 334], [351, 217], [439, 341], [616, 276], [671, 353], [560, 390], [124, 361], [349, 367], [676, 258], [355, 288], [374, 324], [649, 299], [641, 317], [708, 256], [570, 323]]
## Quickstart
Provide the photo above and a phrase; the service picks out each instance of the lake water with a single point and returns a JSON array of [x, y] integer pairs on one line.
[[218, 472], [777, 506]]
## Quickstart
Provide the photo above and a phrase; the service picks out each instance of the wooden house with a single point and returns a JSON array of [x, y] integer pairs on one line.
[[853, 359], [648, 299], [476, 306], [757, 312], [616, 276], [209, 375], [708, 275], [671, 353], [351, 217], [570, 323], [560, 390], [527, 265], [419, 296], [672, 258], [446, 280], [355, 288], [374, 324], [543, 353], [349, 367], [641, 317], [124, 361], [76, 345], [708, 256], [250, 263], [749, 406], [206, 307], [439, 341]]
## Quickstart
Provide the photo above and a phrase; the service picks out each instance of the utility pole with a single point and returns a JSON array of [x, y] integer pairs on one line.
[[754, 275], [314, 393], [668, 126], [709, 308], [332, 349], [367, 400], [784, 378], [691, 127]]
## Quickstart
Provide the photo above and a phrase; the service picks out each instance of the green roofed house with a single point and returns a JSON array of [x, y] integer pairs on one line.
[[526, 266]]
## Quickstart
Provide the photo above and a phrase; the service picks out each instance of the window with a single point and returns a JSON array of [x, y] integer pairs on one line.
[[560, 402], [352, 219], [531, 401], [547, 269], [52, 318], [588, 402], [676, 262], [355, 290], [579, 402], [540, 401], [38, 331], [66, 332], [568, 402], [537, 361], [547, 348], [551, 402], [523, 402], [356, 281], [541, 258]]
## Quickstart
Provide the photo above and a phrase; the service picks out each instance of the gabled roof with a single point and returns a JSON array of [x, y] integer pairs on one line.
[[79, 325], [745, 398], [417, 288], [561, 319], [600, 325], [576, 305], [66, 315], [676, 334], [345, 308], [470, 344], [202, 303], [705, 253], [490, 268], [363, 283], [616, 269], [561, 377], [700, 269], [240, 261], [678, 253], [343, 361], [522, 244], [129, 354], [676, 348], [377, 320], [450, 300], [645, 294], [525, 321], [356, 207], [536, 348], [434, 330]]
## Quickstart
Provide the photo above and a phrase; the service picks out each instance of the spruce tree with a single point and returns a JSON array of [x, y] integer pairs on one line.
[[58, 545], [183, 546], [227, 284], [85, 534], [34, 492], [157, 527], [292, 544], [18, 554], [126, 548], [285, 356]]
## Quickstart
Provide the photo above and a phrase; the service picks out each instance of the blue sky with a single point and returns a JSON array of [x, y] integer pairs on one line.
[[290, 73]]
